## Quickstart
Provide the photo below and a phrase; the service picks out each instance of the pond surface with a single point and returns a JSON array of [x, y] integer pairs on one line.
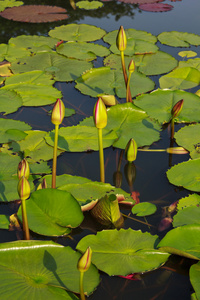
[[151, 184]]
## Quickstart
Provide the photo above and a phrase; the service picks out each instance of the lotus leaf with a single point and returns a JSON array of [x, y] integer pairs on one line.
[[194, 63], [186, 216], [191, 200], [9, 3], [12, 130], [184, 241], [11, 52], [144, 209], [4, 222], [187, 53], [195, 278], [135, 249], [89, 4], [54, 271], [179, 39], [77, 32], [4, 70], [10, 101]]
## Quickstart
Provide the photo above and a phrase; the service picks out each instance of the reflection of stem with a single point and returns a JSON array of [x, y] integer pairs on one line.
[[101, 156], [120, 160], [170, 154], [172, 128], [25, 220], [125, 75], [146, 222], [138, 220], [81, 286], [55, 157]]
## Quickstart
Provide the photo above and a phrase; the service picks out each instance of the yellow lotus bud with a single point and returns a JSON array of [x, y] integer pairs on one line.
[[58, 112], [121, 40], [23, 169], [100, 114], [42, 185], [85, 260], [131, 150], [131, 66], [24, 188]]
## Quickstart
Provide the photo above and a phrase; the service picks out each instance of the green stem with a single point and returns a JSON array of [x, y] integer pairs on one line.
[[53, 185], [81, 286], [172, 128], [101, 156], [125, 75], [128, 87], [25, 220]]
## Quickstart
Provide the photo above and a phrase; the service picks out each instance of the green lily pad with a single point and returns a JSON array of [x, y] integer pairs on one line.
[[54, 271], [9, 165], [104, 80], [159, 104], [187, 137], [144, 209], [180, 78], [89, 4], [148, 64], [82, 50], [187, 53], [186, 174], [179, 39], [138, 42], [9, 3], [53, 65], [77, 33], [194, 63], [191, 200], [186, 216], [4, 222], [52, 212], [12, 130], [10, 101], [11, 52], [195, 278], [184, 241], [135, 249], [133, 123]]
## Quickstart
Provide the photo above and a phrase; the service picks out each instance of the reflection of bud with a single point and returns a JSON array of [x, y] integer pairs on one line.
[[117, 179], [131, 150], [23, 169], [177, 109], [100, 114], [130, 173], [23, 188], [85, 260], [131, 66], [58, 112], [165, 224], [121, 40], [42, 185]]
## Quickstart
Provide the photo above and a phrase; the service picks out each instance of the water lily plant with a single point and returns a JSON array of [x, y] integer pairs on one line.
[[83, 265]]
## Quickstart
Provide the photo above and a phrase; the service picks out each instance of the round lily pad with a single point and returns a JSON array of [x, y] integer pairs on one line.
[[144, 209], [179, 39], [89, 4]]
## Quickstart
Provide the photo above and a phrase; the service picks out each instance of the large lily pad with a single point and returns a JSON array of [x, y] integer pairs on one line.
[[53, 65], [184, 241], [10, 101], [186, 174], [12, 130], [195, 278], [179, 39], [77, 33], [194, 63], [53, 212], [53, 272], [104, 80], [159, 104], [135, 249], [186, 216], [11, 52], [8, 165], [132, 123], [191, 200]]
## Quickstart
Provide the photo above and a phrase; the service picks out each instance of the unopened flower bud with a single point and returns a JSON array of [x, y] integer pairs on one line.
[[131, 150], [177, 109], [131, 66], [100, 114], [23, 169], [85, 260], [42, 185], [121, 40], [58, 112], [24, 188]]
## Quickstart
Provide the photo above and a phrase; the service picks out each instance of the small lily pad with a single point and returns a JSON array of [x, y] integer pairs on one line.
[[187, 53], [89, 4], [144, 209]]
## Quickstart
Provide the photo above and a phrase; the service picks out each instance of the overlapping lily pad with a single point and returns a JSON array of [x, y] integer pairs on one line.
[[53, 272], [195, 278], [9, 3], [191, 200], [134, 248], [11, 52], [186, 216], [12, 130], [159, 104], [179, 39]]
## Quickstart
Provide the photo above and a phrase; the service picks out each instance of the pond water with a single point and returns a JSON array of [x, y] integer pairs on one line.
[[171, 281]]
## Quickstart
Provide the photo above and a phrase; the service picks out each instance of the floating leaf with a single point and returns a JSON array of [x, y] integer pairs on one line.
[[89, 4], [186, 216], [35, 13], [191, 200], [186, 174], [134, 248], [180, 78], [143, 209], [194, 63], [11, 52], [4, 69], [52, 212], [54, 271], [155, 7], [159, 104], [53, 65], [12, 130], [187, 53], [184, 241], [77, 33], [4, 222], [8, 165], [195, 278], [179, 39]]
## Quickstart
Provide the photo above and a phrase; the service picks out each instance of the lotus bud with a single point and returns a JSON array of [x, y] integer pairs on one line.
[[131, 150], [23, 188], [42, 185], [23, 169], [100, 114], [121, 40], [85, 260], [176, 110], [58, 112], [131, 66]]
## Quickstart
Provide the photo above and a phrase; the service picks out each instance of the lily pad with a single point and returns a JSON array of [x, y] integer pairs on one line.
[[8, 165], [155, 7], [195, 278], [191, 200], [12, 130], [77, 33], [52, 212], [187, 53], [159, 104], [186, 216], [134, 248], [11, 52], [104, 80], [9, 3], [179, 39], [10, 101], [53, 65], [89, 4], [194, 63], [4, 222], [144, 209], [184, 241], [186, 174], [180, 78], [54, 271]]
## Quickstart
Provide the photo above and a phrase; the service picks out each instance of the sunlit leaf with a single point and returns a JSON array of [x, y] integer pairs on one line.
[[144, 209], [195, 278], [191, 200], [186, 216], [12, 130], [179, 39], [187, 53], [9, 3], [89, 4], [11, 52]]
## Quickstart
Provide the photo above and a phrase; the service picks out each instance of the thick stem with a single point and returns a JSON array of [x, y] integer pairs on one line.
[[81, 286], [53, 185], [101, 155], [128, 87], [125, 75], [25, 220]]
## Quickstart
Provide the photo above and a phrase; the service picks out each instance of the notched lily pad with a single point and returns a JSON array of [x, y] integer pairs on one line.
[[179, 39]]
